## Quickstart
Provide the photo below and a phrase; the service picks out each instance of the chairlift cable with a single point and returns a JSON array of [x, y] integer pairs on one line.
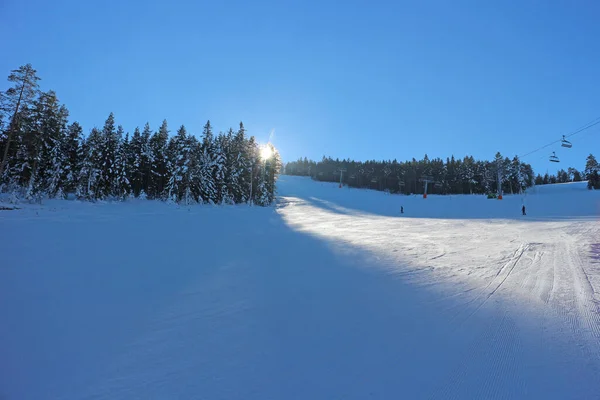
[[583, 128]]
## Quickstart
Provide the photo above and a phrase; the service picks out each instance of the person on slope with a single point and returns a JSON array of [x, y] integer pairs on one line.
[[523, 210]]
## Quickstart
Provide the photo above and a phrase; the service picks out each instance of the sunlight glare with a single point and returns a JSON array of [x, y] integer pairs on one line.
[[266, 152]]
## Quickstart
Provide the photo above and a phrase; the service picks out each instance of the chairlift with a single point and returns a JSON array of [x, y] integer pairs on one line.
[[554, 158], [566, 143]]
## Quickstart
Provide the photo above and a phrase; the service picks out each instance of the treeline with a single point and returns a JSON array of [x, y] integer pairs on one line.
[[45, 156], [562, 176], [591, 174], [452, 176]]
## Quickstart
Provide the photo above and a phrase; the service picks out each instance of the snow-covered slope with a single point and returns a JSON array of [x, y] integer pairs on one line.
[[565, 201], [331, 294]]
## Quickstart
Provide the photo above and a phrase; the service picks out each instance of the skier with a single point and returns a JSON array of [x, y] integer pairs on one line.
[[401, 209], [523, 209]]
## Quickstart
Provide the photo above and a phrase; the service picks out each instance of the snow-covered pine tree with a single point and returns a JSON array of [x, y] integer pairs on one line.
[[231, 169], [72, 150], [515, 180], [253, 157], [146, 157], [59, 166], [135, 162], [205, 169], [91, 167], [108, 152], [240, 166], [121, 187], [49, 159], [159, 170], [469, 173], [20, 161], [221, 171], [250, 160], [272, 166], [14, 100], [205, 166], [194, 184], [179, 160], [261, 197]]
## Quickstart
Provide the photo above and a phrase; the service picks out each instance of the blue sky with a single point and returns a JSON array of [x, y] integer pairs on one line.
[[358, 79]]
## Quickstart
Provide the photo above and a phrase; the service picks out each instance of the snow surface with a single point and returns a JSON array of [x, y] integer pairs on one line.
[[332, 294]]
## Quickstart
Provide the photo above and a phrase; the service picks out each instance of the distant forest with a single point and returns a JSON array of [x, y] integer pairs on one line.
[[43, 155], [452, 176]]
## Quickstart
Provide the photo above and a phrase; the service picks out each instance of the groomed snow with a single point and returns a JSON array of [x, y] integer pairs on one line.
[[330, 294]]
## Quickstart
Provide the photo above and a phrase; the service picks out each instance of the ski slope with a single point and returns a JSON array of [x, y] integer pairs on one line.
[[330, 294]]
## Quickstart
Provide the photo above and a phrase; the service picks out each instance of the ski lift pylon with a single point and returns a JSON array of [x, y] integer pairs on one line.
[[554, 158], [566, 143]]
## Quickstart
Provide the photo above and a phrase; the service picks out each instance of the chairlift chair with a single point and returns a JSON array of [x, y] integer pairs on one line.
[[554, 158], [566, 143]]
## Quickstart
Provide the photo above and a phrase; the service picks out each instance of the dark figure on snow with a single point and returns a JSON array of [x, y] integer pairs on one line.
[[401, 209], [523, 209]]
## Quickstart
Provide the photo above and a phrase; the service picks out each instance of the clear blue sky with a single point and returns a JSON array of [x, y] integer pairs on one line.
[[358, 79]]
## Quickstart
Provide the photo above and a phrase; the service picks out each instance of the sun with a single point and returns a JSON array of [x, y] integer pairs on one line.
[[266, 152]]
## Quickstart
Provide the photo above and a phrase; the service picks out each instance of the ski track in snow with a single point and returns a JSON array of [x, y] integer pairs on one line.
[[331, 294]]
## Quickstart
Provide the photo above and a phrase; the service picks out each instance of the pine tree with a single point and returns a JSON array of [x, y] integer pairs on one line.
[[539, 180], [562, 176], [179, 186], [469, 172], [592, 172], [121, 187], [91, 167], [546, 179], [238, 166], [207, 136], [205, 167], [159, 175], [20, 96], [253, 156], [146, 157], [48, 158], [108, 148], [272, 165], [221, 171], [135, 162], [73, 156], [205, 175], [18, 174]]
